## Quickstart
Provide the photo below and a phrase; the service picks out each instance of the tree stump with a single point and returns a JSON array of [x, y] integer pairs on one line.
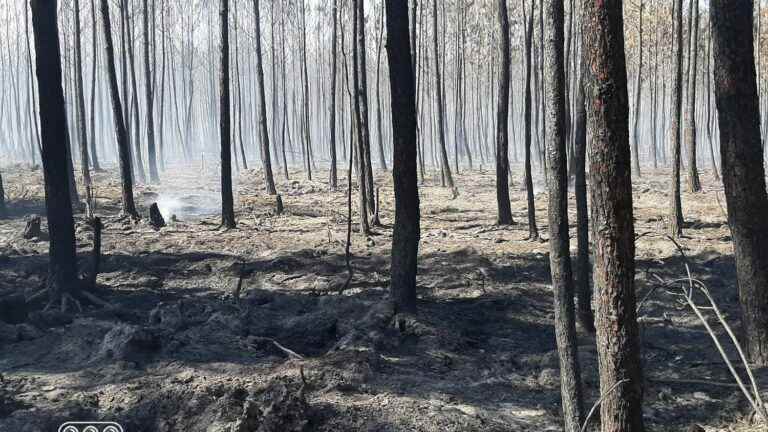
[[155, 217], [279, 205], [32, 229]]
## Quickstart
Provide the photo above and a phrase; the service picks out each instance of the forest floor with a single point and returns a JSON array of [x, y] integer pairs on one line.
[[181, 350]]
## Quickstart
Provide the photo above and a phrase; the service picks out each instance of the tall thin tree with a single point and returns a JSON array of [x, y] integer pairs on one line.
[[676, 217], [266, 160], [80, 100], [149, 93], [559, 244], [123, 145]]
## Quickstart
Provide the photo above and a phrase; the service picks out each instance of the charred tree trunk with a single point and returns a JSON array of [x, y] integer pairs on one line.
[[265, 152], [333, 174], [612, 219], [447, 178], [638, 99], [584, 314], [405, 240], [80, 100], [676, 217], [742, 164], [694, 185], [225, 127], [559, 245], [94, 153], [149, 93], [123, 145], [62, 266], [533, 231], [502, 121]]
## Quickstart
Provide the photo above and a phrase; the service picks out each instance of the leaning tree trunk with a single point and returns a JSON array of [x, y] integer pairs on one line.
[[265, 153], [123, 145], [676, 217], [559, 245], [405, 239], [742, 165], [502, 122], [694, 185], [62, 266], [533, 231], [225, 127], [618, 340]]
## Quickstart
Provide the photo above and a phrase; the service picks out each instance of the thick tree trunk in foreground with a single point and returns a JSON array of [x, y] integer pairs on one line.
[[559, 245], [265, 153], [124, 151], [225, 127], [62, 267], [611, 198], [502, 121], [742, 165], [405, 240], [676, 217]]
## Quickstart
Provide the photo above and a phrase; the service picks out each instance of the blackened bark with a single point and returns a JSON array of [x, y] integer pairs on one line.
[[94, 154], [333, 174], [149, 93], [559, 245], [80, 100], [225, 127], [584, 314], [694, 185], [3, 209], [676, 217], [62, 267], [265, 153], [742, 165], [364, 110], [358, 130], [533, 230], [445, 166], [405, 240], [502, 121], [638, 99], [611, 201], [124, 151]]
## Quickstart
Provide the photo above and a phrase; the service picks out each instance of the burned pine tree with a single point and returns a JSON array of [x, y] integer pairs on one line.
[[559, 244], [62, 266], [618, 340], [676, 216], [227, 201], [266, 161], [123, 145], [504, 216], [405, 240], [743, 171], [149, 94], [533, 231]]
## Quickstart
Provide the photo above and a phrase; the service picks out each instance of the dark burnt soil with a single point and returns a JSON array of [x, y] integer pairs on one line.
[[181, 349]]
